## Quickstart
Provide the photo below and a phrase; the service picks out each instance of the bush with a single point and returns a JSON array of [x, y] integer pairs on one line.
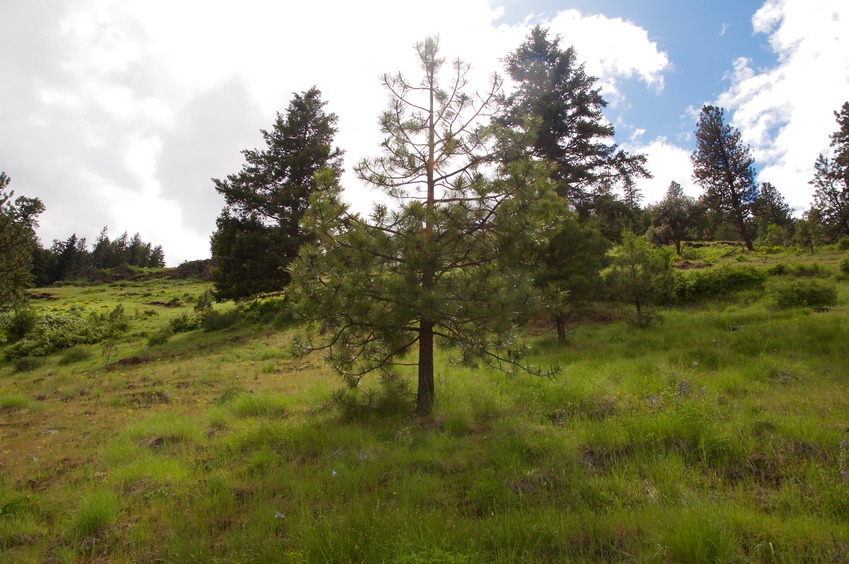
[[844, 266], [184, 323], [802, 293], [72, 356], [160, 337], [712, 282], [843, 244], [218, 320], [27, 364], [19, 323], [800, 270], [58, 332], [269, 308]]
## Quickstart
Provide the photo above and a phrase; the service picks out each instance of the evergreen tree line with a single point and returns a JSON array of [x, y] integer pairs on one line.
[[24, 262], [504, 205], [71, 259]]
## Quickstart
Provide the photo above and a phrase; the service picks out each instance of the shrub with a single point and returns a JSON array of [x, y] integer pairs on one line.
[[27, 364], [270, 308], [58, 332], [843, 244], [778, 269], [712, 282], [20, 322], [204, 303], [72, 356], [184, 323], [218, 320], [160, 337], [844, 266], [802, 293], [800, 270]]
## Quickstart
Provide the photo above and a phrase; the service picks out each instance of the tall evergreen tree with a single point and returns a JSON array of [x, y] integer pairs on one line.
[[567, 126], [258, 232], [724, 167], [18, 221], [831, 178], [439, 266]]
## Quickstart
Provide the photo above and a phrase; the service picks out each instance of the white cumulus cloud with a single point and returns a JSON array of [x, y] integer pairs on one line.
[[786, 112]]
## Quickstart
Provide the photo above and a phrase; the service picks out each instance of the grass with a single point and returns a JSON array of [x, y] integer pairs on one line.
[[716, 435]]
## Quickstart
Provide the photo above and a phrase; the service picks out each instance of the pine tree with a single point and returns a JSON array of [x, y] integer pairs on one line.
[[831, 178], [258, 232], [724, 167], [442, 264], [772, 216], [674, 218], [18, 221], [566, 125], [568, 268]]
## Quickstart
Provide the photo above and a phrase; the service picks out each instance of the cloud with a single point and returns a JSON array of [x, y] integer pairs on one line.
[[119, 113], [632, 55], [786, 112], [667, 162]]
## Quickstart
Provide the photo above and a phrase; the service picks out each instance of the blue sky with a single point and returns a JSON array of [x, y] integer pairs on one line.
[[701, 38], [119, 112]]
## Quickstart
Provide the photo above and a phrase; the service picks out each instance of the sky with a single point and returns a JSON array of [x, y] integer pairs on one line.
[[119, 113]]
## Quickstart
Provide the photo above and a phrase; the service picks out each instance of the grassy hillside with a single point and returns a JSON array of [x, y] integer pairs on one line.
[[719, 434]]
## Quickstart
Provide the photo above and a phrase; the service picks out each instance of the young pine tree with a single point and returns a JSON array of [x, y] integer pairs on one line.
[[447, 263]]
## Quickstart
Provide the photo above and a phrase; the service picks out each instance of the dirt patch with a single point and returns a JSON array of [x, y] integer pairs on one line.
[[147, 398], [170, 303], [130, 361], [687, 265], [41, 296]]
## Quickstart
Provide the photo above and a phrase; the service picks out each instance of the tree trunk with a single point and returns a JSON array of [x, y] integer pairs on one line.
[[639, 311], [678, 247], [741, 223], [425, 393], [561, 330]]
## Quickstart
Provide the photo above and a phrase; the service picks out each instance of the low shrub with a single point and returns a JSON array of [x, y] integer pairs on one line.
[[19, 323], [269, 308], [218, 320], [712, 282], [72, 356], [798, 270], [184, 323], [844, 266], [801, 293], [160, 337], [58, 332], [27, 363]]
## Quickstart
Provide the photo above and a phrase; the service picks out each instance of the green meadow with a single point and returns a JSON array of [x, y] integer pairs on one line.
[[717, 434]]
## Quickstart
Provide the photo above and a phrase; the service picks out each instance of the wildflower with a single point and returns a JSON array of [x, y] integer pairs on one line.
[[333, 473], [279, 515], [651, 401]]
